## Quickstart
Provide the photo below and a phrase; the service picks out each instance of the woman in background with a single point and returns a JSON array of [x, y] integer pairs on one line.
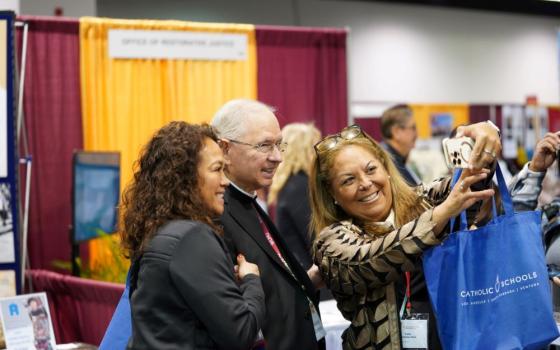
[[289, 189], [184, 293]]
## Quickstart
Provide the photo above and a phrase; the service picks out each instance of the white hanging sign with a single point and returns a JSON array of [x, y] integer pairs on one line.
[[164, 44]]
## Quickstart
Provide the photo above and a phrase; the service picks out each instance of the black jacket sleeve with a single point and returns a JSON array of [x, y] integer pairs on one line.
[[203, 274]]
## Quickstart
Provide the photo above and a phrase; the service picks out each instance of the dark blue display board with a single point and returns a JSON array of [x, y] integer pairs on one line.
[[10, 261]]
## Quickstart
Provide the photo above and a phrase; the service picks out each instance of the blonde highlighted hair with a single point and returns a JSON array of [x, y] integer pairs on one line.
[[407, 203], [298, 157]]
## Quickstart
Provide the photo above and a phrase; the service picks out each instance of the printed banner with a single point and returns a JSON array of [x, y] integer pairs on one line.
[[177, 45]]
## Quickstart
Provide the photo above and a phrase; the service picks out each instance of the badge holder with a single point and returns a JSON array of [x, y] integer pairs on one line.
[[414, 326]]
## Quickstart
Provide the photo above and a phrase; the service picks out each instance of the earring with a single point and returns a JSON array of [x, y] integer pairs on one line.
[[335, 202], [388, 176]]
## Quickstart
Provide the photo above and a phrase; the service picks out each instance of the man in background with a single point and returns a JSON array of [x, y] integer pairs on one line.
[[398, 129]]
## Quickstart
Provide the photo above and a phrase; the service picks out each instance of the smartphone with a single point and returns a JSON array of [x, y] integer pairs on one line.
[[457, 151]]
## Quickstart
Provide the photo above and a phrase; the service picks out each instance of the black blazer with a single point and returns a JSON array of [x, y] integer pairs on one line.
[[288, 323], [184, 296], [293, 215]]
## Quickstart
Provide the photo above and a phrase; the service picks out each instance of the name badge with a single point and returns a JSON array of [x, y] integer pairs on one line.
[[414, 331]]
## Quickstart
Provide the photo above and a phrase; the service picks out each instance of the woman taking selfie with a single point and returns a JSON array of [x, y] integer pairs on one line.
[[184, 293], [370, 227]]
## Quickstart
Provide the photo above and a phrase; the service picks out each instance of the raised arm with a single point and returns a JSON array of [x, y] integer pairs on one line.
[[349, 258]]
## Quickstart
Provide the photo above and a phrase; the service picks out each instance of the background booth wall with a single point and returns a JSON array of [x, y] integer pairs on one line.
[[302, 72], [53, 124], [53, 109]]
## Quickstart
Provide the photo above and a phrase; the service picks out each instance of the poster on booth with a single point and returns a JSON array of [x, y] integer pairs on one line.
[[536, 126], [3, 101], [7, 246], [512, 130], [26, 322], [10, 267]]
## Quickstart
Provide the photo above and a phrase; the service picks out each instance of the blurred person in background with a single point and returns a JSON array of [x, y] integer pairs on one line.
[[289, 190], [398, 129], [185, 292], [526, 187]]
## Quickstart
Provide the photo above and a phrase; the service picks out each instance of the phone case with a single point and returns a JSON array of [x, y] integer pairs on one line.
[[457, 151]]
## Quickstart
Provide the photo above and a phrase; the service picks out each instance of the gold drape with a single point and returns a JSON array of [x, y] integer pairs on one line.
[[124, 101]]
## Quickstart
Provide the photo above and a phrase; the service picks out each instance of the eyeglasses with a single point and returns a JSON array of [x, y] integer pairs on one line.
[[412, 127], [330, 142], [264, 147]]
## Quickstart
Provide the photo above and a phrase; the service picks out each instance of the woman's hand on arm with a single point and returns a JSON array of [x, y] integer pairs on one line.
[[461, 197], [245, 268]]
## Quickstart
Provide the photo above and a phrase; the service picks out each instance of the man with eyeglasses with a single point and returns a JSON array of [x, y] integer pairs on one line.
[[251, 139], [399, 137]]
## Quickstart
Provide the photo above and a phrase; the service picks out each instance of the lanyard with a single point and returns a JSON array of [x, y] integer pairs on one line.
[[406, 300], [272, 242], [317, 324], [408, 303]]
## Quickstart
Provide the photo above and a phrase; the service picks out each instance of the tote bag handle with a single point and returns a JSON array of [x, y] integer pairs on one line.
[[507, 203]]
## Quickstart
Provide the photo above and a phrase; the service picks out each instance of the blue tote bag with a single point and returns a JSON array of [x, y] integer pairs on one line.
[[489, 287]]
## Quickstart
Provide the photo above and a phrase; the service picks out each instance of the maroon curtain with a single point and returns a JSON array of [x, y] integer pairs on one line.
[[553, 119], [371, 126], [302, 73], [54, 129], [80, 308], [480, 113]]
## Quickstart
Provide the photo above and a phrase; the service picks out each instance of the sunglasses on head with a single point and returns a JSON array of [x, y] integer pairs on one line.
[[330, 142]]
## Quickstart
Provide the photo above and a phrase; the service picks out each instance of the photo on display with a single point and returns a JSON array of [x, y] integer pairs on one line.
[[7, 250], [536, 126], [512, 130], [441, 124], [26, 322]]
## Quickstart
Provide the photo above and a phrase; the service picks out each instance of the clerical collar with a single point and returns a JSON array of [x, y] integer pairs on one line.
[[251, 195]]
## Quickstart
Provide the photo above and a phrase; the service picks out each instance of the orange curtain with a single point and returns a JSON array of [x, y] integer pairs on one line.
[[124, 101]]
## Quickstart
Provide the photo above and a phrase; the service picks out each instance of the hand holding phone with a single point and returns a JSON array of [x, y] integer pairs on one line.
[[457, 151]]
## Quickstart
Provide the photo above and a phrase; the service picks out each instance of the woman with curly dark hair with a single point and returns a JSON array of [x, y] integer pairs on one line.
[[184, 291]]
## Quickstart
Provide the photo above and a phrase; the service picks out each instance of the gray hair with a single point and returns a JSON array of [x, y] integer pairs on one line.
[[231, 119]]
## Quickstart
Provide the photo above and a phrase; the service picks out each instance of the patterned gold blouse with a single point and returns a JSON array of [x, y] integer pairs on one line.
[[361, 269]]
